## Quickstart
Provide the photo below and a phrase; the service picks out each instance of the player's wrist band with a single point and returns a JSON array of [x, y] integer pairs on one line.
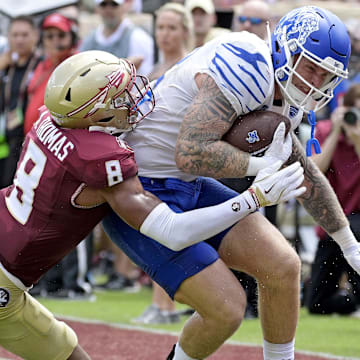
[[254, 197]]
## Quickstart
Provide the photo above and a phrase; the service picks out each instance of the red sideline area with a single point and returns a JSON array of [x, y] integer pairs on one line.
[[105, 342]]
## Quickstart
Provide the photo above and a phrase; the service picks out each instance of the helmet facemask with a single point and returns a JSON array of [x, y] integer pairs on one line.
[[123, 111]]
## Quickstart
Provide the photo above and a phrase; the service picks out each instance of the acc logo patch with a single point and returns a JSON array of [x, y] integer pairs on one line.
[[4, 297], [252, 137]]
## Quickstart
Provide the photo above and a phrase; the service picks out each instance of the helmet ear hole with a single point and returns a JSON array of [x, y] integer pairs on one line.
[[68, 95], [105, 120], [277, 48], [85, 73]]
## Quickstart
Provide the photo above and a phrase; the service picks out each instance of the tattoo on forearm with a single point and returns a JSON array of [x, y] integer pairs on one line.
[[198, 145], [319, 199]]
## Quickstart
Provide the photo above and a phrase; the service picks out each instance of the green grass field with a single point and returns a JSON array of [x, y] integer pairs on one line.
[[336, 335]]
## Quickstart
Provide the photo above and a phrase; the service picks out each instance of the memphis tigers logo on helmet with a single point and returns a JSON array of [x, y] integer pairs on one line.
[[306, 21]]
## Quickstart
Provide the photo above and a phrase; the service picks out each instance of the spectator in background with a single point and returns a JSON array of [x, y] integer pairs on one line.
[[252, 16], [174, 39], [340, 162], [174, 35], [59, 40], [204, 17], [16, 68], [119, 36]]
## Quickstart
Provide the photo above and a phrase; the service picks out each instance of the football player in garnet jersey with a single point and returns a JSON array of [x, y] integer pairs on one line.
[[71, 172], [180, 152]]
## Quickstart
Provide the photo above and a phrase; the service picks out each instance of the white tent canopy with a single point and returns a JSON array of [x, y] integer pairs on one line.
[[15, 8]]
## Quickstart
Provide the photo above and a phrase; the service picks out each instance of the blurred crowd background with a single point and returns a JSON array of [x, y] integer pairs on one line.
[[35, 36]]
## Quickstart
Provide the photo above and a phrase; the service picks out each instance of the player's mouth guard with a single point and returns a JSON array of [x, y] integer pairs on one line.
[[312, 142]]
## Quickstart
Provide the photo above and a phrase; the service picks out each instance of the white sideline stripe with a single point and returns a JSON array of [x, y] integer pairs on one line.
[[163, 332]]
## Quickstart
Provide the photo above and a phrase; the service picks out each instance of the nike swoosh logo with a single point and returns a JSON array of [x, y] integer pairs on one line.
[[268, 190], [249, 207]]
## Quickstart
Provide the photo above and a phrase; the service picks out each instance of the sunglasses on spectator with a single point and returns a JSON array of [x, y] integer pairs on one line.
[[50, 36], [109, 3], [253, 20]]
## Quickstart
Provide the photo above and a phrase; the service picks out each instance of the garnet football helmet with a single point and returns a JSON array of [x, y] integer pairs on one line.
[[319, 36], [95, 88]]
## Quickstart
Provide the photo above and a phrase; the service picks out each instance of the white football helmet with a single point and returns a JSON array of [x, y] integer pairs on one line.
[[95, 88]]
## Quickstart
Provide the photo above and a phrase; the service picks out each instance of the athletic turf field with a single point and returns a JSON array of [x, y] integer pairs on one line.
[[321, 334]]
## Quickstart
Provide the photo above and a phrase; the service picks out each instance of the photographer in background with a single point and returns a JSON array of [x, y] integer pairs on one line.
[[334, 286]]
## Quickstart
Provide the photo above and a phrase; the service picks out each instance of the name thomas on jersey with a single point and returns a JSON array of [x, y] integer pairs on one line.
[[56, 142]]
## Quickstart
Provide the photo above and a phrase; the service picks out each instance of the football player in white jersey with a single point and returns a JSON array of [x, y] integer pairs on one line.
[[180, 154]]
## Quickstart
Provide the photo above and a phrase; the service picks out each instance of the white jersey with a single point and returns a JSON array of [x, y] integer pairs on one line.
[[240, 64]]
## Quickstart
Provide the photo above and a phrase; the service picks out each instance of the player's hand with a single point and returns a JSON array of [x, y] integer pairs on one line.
[[272, 185], [281, 146], [352, 256]]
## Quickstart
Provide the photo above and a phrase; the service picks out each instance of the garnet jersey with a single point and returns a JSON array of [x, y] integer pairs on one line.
[[241, 66], [39, 220]]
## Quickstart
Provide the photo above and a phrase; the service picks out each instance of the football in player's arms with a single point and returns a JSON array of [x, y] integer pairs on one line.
[[254, 131]]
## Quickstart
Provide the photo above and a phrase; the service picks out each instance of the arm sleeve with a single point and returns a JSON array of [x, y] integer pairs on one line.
[[177, 231]]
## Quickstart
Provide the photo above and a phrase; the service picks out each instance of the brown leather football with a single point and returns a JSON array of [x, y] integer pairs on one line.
[[254, 132]]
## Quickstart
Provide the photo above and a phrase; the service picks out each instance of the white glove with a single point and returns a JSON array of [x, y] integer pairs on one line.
[[352, 256], [272, 186], [279, 149], [281, 146]]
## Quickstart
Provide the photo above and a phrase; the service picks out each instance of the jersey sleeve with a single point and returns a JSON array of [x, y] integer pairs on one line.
[[104, 160], [242, 71]]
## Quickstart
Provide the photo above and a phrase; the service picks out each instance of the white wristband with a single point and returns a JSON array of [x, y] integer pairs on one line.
[[344, 238]]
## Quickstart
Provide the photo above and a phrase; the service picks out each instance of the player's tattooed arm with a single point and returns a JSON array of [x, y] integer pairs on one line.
[[199, 148], [319, 199]]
